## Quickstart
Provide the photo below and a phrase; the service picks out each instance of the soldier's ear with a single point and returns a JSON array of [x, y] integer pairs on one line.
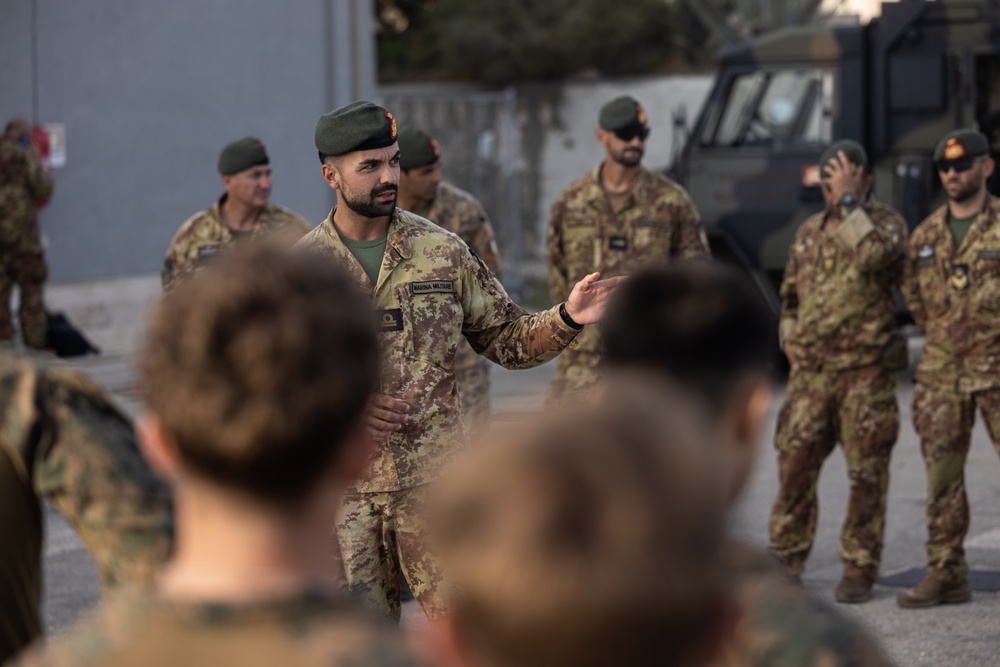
[[989, 167], [157, 446], [331, 175], [601, 136]]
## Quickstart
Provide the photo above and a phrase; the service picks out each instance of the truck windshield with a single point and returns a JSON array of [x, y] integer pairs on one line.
[[786, 107]]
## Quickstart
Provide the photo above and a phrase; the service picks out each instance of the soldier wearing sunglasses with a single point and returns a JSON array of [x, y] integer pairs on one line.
[[614, 220], [952, 287]]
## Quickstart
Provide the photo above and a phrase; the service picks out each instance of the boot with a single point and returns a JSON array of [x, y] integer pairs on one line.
[[855, 586], [935, 590]]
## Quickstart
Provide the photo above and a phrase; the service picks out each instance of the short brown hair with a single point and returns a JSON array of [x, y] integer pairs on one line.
[[259, 367], [587, 540]]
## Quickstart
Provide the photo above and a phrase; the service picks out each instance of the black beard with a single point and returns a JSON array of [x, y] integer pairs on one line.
[[967, 193], [368, 206], [628, 157]]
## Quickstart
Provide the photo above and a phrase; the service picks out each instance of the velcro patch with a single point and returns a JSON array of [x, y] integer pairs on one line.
[[989, 254], [959, 277], [618, 243], [390, 319], [925, 252], [656, 224], [431, 286], [208, 250]]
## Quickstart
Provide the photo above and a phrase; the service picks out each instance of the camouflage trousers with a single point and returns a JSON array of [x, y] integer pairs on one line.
[[858, 408], [577, 376], [473, 383], [28, 271], [382, 536], [943, 418]]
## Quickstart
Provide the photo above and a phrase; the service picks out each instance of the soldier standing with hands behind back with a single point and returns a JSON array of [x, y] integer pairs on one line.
[[952, 288], [837, 322]]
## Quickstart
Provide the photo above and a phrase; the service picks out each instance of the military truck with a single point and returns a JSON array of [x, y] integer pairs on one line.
[[897, 85]]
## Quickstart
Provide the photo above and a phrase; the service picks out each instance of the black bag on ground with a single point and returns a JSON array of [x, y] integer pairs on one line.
[[65, 339]]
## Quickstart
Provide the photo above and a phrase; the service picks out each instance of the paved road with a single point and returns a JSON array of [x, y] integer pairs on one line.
[[957, 635]]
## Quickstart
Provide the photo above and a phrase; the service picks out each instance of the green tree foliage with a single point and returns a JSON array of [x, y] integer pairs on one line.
[[502, 41]]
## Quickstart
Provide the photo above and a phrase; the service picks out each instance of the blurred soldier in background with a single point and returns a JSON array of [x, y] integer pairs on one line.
[[422, 191], [61, 440], [243, 212], [703, 330], [614, 220], [258, 370], [429, 291], [23, 184], [952, 287], [837, 324]]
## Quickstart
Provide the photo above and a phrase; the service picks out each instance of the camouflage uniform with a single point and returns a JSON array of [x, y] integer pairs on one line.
[[954, 295], [23, 182], [431, 292], [460, 213], [306, 629], [837, 322], [658, 222], [60, 439], [204, 234], [780, 623]]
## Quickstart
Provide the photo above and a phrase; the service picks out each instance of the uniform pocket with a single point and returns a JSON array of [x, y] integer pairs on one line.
[[433, 316]]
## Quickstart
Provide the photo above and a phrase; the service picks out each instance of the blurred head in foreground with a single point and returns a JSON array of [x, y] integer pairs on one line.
[[583, 541], [703, 328]]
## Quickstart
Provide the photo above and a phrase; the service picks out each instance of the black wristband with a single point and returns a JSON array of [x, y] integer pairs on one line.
[[570, 322]]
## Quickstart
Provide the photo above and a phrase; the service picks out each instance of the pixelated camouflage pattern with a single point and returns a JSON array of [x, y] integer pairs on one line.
[[310, 628], [460, 213], [382, 538], [62, 440], [943, 418], [954, 296], [857, 408], [781, 624], [418, 358], [204, 234], [837, 308], [657, 223], [23, 182]]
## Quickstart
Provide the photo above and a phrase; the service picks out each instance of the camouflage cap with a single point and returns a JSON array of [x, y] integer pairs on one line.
[[622, 112], [854, 152], [241, 155], [360, 126], [416, 149], [962, 143]]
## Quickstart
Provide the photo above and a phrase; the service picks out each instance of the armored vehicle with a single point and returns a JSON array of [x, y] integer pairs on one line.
[[897, 85]]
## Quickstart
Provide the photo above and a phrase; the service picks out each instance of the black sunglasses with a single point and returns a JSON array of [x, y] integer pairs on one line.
[[960, 165], [631, 132]]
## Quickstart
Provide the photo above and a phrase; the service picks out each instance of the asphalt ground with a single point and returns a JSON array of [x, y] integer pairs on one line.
[[967, 634]]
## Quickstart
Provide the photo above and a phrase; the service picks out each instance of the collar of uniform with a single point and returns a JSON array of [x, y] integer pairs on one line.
[[638, 187], [399, 238]]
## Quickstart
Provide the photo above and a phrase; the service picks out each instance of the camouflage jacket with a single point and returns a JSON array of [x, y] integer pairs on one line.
[[460, 213], [432, 291], [23, 182], [954, 296], [658, 222], [837, 294], [60, 439], [781, 624], [204, 234], [307, 629]]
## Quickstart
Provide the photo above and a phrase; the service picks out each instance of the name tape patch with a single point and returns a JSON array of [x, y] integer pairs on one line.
[[655, 224], [390, 319], [618, 243], [431, 286], [208, 250], [989, 254]]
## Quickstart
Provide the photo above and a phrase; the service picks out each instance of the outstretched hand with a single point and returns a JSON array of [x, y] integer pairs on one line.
[[587, 301]]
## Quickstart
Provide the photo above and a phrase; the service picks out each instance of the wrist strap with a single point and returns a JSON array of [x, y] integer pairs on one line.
[[570, 322]]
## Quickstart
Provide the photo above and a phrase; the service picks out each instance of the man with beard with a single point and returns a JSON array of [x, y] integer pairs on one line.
[[429, 291], [614, 220], [952, 287], [243, 212]]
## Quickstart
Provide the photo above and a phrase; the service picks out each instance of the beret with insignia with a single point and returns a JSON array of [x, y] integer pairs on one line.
[[961, 143], [360, 126], [854, 152], [622, 112], [241, 155], [417, 149]]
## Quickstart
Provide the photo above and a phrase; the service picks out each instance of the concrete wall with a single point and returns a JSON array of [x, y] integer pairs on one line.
[[150, 92]]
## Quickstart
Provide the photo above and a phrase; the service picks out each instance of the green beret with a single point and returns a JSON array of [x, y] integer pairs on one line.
[[417, 149], [241, 155], [854, 152], [622, 112], [961, 143], [360, 126]]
